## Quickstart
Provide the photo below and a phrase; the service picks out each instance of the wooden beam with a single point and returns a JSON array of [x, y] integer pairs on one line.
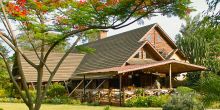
[[170, 76], [120, 88], [100, 85], [84, 87], [66, 87], [75, 88], [89, 83]]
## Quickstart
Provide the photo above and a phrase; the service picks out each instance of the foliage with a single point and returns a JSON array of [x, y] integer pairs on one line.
[[157, 101], [55, 100], [11, 100], [94, 103], [107, 108], [199, 41], [2, 93], [56, 90], [61, 100], [24, 42], [188, 101], [184, 90], [4, 77], [32, 93], [209, 87], [139, 92], [148, 101], [137, 102]]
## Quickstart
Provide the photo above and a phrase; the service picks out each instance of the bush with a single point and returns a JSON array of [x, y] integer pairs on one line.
[[56, 90], [1, 109], [2, 93], [95, 103], [32, 93], [148, 101], [137, 102], [139, 92], [107, 108], [157, 101], [11, 100], [184, 90], [209, 86], [188, 101], [61, 100]]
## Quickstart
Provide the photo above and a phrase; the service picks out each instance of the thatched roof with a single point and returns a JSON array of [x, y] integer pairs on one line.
[[65, 71]]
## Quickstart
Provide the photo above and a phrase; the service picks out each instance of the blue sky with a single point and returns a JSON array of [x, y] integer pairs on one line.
[[171, 25]]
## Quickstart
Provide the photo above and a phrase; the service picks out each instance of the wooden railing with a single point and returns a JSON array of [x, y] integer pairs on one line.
[[113, 95]]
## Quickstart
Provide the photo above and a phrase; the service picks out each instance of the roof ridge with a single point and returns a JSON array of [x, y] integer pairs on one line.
[[113, 36]]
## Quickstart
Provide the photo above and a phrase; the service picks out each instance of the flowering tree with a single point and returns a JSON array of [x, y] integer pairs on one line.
[[36, 18]]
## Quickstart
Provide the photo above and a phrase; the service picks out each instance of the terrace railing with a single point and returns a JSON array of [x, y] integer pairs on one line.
[[112, 96]]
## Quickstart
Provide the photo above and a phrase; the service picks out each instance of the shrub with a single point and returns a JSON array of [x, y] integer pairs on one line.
[[61, 100], [32, 93], [209, 86], [139, 92], [186, 101], [184, 90], [157, 101], [1, 109], [11, 100], [95, 103], [137, 102], [2, 93], [107, 108], [56, 90], [148, 101]]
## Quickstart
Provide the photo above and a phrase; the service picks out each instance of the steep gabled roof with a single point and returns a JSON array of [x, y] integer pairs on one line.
[[169, 40], [113, 51]]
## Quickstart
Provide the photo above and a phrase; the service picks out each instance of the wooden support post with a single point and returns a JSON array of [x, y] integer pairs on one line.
[[110, 96], [66, 87], [75, 88], [120, 88], [84, 87], [170, 76]]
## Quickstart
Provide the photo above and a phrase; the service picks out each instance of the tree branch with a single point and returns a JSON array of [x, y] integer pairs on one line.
[[58, 65], [13, 79]]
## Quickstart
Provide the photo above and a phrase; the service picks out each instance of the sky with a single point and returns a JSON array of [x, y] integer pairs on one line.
[[170, 25]]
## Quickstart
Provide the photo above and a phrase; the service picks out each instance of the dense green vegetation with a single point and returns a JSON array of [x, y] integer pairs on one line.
[[199, 40]]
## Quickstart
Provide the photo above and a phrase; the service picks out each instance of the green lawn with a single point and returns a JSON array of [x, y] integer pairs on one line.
[[19, 106]]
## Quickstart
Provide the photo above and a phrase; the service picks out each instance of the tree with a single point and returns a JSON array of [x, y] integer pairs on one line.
[[69, 18], [199, 40], [4, 78]]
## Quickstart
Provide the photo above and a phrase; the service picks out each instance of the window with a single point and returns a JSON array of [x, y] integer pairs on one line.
[[159, 39], [149, 38]]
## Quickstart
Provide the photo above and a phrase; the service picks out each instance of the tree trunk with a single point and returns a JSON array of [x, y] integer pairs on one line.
[[39, 89]]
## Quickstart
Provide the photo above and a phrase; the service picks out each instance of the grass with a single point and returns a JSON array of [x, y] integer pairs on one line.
[[20, 106]]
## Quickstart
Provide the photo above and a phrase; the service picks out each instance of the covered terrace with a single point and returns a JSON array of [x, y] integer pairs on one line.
[[166, 67]]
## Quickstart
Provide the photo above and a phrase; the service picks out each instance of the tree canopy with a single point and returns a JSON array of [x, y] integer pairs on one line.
[[199, 40]]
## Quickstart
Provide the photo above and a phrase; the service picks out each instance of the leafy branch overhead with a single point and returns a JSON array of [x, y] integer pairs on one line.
[[71, 16]]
